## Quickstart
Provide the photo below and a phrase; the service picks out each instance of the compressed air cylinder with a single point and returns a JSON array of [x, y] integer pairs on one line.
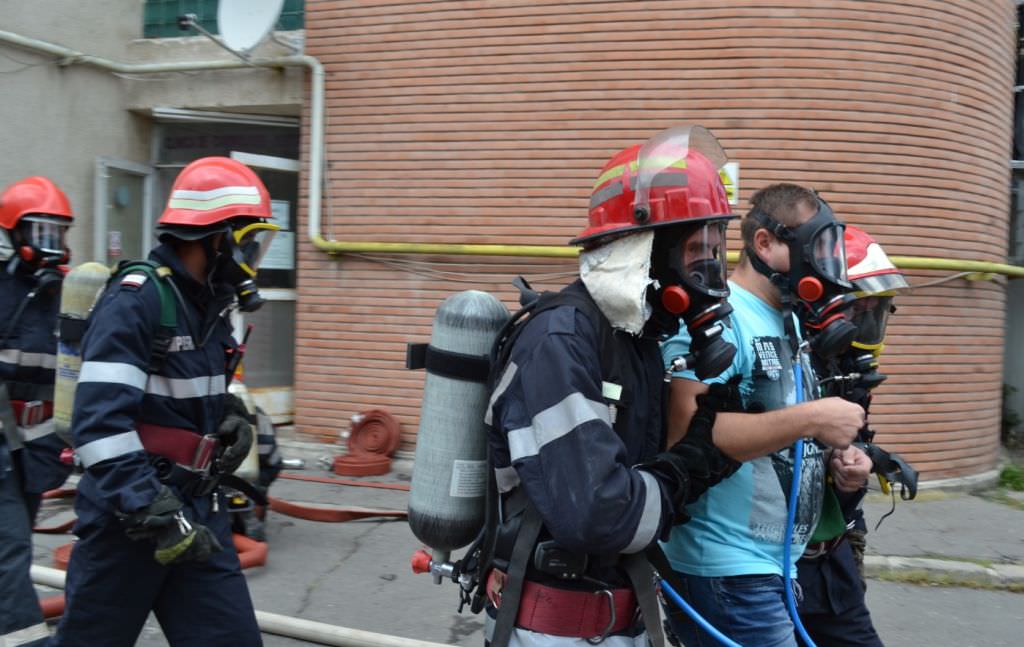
[[249, 470], [81, 288], [449, 480]]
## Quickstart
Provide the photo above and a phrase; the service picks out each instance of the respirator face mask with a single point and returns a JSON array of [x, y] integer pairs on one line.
[[689, 265], [816, 280], [238, 262]]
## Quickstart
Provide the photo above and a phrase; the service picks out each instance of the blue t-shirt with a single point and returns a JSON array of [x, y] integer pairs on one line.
[[738, 526]]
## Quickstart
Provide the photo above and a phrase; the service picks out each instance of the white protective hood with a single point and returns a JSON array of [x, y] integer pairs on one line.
[[617, 275]]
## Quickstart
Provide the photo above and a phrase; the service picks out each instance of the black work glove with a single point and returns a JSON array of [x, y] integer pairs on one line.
[[177, 539], [235, 433], [689, 468], [693, 465]]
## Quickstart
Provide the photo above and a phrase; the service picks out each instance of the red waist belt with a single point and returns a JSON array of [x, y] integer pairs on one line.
[[29, 413], [579, 614], [183, 446]]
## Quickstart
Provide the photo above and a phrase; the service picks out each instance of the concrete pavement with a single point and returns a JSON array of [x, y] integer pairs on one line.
[[357, 574]]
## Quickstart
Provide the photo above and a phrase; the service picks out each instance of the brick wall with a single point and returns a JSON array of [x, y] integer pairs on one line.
[[486, 122]]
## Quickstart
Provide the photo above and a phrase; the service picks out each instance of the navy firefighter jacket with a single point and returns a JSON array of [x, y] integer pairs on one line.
[[115, 391], [27, 361], [568, 434]]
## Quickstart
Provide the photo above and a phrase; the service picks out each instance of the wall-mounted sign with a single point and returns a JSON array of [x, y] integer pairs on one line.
[[281, 255]]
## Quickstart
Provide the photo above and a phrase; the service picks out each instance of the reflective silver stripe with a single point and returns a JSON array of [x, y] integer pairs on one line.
[[507, 478], [182, 388], [650, 518], [555, 422], [109, 447], [26, 635], [213, 194], [613, 190], [28, 360], [45, 428], [506, 379], [113, 373], [669, 179]]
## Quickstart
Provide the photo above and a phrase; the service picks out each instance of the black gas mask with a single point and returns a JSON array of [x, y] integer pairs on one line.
[[238, 258], [816, 285], [870, 315], [39, 241], [688, 262]]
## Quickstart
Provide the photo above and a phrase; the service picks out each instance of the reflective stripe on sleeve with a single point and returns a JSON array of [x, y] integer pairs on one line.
[[28, 360], [168, 387], [45, 428], [113, 373], [183, 388], [506, 379], [555, 422], [26, 635], [650, 518], [109, 447]]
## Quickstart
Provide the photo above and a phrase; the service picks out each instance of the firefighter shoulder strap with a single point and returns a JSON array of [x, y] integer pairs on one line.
[[161, 276]]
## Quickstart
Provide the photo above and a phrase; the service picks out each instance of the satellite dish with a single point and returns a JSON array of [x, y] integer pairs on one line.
[[244, 24]]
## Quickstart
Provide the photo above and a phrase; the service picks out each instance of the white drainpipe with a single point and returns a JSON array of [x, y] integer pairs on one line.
[[273, 623]]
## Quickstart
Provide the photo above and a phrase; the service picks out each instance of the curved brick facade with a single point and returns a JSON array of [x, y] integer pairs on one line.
[[487, 122]]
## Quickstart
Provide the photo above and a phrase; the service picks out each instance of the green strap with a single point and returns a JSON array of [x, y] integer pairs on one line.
[[160, 274]]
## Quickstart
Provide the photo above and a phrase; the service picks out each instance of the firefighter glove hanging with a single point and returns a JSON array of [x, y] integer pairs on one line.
[[177, 539]]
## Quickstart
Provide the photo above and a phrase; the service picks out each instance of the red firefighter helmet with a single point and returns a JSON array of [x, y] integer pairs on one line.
[[211, 190], [33, 195], [868, 267], [675, 177]]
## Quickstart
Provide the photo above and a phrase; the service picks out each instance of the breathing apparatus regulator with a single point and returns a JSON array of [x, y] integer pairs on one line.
[[816, 286]]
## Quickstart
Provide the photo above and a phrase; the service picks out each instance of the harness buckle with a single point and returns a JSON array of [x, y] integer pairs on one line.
[[32, 413], [610, 597]]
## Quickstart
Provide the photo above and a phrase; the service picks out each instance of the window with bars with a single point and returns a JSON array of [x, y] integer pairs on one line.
[[160, 19]]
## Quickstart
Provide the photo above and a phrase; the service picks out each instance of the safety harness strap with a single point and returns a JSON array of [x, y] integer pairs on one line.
[[522, 551], [161, 276], [641, 576], [662, 569]]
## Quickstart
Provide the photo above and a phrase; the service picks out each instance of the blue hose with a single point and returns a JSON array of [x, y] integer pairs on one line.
[[696, 617], [794, 493]]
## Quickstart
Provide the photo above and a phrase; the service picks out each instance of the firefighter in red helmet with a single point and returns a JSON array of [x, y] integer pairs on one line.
[[584, 479], [156, 430], [34, 218]]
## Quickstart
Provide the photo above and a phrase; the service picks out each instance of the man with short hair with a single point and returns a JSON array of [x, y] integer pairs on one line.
[[730, 554]]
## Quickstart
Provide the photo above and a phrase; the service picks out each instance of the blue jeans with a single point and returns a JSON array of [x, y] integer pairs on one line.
[[749, 609]]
